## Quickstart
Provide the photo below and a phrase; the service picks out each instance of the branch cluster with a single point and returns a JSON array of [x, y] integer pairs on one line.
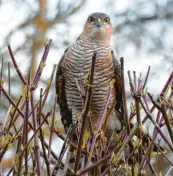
[[129, 152]]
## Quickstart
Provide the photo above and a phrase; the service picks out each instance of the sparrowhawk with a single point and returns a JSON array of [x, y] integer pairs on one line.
[[73, 70]]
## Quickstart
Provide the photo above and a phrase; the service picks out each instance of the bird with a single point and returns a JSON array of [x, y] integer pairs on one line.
[[73, 70], [71, 82]]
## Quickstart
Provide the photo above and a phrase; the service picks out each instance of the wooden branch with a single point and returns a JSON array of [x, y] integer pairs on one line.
[[85, 113], [146, 78], [164, 114], [124, 96], [132, 133], [16, 66]]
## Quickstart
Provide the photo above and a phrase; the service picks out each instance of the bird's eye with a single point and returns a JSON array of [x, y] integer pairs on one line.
[[106, 20], [90, 19]]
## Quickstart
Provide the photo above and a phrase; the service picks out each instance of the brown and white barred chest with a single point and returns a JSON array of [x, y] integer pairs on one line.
[[76, 66]]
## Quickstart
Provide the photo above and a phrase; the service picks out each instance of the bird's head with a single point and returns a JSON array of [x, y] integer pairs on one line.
[[98, 26]]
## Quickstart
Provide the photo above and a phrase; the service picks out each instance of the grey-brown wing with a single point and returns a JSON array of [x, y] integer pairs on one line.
[[118, 87], [66, 114]]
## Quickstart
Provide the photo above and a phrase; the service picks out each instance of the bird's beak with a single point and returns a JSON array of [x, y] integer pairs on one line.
[[98, 22]]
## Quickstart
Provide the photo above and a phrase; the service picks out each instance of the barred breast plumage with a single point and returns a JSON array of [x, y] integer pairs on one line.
[[77, 64]]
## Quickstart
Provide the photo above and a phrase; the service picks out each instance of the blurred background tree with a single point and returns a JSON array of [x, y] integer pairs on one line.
[[147, 25], [39, 17]]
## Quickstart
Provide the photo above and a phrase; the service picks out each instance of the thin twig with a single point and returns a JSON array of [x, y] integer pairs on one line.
[[163, 111], [9, 79], [84, 113], [134, 78], [157, 126], [36, 141], [46, 92], [62, 152], [146, 78], [16, 66], [102, 119], [18, 150], [132, 133], [130, 81], [124, 96], [168, 83], [41, 65], [47, 162], [25, 124], [171, 163], [1, 78], [13, 120], [52, 129], [152, 169], [140, 124]]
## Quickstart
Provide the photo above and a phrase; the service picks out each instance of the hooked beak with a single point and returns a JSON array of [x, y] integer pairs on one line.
[[98, 22]]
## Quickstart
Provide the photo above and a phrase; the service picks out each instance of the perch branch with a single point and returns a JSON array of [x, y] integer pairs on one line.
[[85, 113]]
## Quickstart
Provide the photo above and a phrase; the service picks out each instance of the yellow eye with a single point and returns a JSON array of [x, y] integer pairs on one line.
[[90, 19], [106, 20]]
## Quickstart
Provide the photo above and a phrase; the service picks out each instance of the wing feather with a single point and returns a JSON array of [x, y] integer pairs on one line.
[[66, 114], [118, 88]]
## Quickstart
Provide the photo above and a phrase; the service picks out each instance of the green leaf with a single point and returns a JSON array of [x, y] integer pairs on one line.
[[136, 170], [136, 143], [160, 174], [112, 83], [85, 138]]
